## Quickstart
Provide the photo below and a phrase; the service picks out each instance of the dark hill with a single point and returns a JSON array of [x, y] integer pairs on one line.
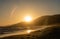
[[47, 20], [44, 20]]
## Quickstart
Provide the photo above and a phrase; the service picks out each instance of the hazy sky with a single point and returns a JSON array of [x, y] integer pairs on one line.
[[13, 11]]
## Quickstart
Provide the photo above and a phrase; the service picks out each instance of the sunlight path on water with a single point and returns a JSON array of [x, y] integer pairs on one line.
[[24, 31]]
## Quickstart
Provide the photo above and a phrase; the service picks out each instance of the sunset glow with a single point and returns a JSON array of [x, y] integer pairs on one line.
[[27, 18]]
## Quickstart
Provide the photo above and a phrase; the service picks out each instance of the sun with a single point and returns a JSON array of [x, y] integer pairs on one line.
[[27, 18]]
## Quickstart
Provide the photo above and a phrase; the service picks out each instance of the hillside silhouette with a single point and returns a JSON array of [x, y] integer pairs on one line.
[[52, 32], [47, 20], [40, 21]]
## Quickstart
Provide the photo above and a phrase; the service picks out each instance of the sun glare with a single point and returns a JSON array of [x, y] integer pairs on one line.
[[27, 18], [29, 31]]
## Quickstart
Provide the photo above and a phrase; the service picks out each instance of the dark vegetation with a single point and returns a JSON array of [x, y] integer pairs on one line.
[[48, 33], [11, 28]]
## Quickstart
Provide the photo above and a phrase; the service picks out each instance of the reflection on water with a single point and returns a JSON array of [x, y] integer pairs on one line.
[[26, 31], [29, 31]]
